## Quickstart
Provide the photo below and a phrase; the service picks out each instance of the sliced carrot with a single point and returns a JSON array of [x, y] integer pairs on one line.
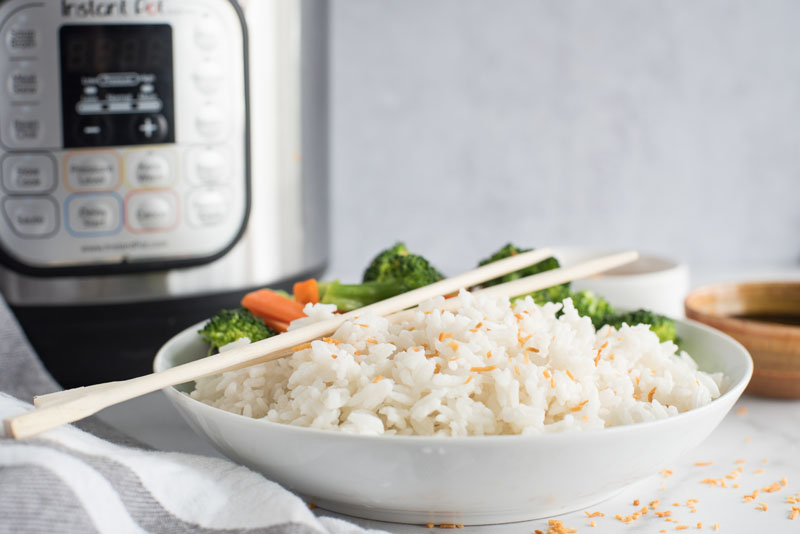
[[306, 291], [278, 326], [268, 304]]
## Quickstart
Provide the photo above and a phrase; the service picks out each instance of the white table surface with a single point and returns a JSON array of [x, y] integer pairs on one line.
[[763, 432]]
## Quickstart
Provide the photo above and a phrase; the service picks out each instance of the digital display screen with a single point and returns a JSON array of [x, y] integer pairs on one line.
[[116, 84]]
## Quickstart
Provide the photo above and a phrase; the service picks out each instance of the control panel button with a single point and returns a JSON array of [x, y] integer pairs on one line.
[[207, 208], [208, 76], [23, 85], [151, 211], [210, 121], [21, 39], [206, 34], [92, 172], [93, 130], [93, 214], [207, 166], [31, 216], [28, 173], [152, 170], [26, 130], [150, 128]]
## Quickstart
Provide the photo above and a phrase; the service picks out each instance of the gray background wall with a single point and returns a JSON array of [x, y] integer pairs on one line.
[[669, 126]]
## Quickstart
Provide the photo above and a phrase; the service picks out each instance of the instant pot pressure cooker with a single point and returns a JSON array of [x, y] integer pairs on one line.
[[158, 158]]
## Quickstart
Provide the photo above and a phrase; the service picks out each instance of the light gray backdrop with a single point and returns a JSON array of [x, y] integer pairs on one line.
[[671, 126]]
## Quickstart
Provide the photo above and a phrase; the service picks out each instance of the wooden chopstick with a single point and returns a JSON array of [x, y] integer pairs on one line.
[[523, 260], [81, 404], [517, 287]]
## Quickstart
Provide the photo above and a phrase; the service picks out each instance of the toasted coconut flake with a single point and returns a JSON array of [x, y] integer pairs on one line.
[[579, 407]]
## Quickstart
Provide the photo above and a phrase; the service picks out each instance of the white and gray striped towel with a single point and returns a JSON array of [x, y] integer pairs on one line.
[[71, 480]]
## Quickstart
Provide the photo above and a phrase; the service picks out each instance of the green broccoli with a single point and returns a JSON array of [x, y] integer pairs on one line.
[[590, 304], [393, 271], [397, 264], [664, 327], [226, 326], [382, 263], [551, 294]]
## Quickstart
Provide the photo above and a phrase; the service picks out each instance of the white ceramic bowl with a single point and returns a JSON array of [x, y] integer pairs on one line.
[[651, 282], [469, 480]]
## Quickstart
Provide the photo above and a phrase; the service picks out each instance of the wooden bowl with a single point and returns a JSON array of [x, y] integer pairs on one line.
[[765, 318]]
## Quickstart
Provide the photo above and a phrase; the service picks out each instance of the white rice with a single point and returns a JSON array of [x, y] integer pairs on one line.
[[491, 368]]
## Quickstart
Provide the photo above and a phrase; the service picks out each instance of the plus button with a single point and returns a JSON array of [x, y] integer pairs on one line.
[[148, 127]]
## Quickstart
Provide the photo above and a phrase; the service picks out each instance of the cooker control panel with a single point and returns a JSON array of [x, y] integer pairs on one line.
[[123, 134]]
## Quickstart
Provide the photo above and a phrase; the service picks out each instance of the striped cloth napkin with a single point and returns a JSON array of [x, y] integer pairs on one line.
[[92, 479]]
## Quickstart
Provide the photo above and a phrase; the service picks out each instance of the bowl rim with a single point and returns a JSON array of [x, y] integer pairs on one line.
[[734, 391], [720, 320]]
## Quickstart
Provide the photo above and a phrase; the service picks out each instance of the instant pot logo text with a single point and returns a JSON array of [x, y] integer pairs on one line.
[[105, 8]]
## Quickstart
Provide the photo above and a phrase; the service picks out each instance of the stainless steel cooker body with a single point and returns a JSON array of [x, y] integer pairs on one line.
[[158, 158], [245, 100]]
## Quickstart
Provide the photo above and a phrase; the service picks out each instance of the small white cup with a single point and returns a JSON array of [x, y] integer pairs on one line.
[[654, 283]]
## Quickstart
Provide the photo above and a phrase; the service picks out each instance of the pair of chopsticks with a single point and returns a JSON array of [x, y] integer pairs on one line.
[[72, 405]]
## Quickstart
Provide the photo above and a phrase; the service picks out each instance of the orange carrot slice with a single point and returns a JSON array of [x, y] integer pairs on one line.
[[278, 326], [306, 291], [268, 304]]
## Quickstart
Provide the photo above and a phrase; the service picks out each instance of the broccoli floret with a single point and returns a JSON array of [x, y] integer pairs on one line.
[[393, 271], [511, 250], [551, 294], [664, 327], [397, 264], [348, 297], [229, 325], [590, 304], [382, 264]]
